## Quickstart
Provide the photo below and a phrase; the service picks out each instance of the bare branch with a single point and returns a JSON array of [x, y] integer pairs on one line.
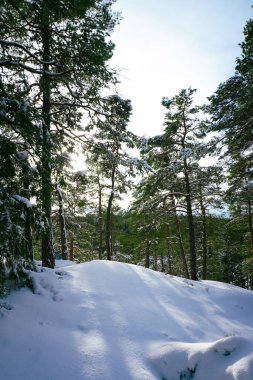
[[20, 46], [31, 69]]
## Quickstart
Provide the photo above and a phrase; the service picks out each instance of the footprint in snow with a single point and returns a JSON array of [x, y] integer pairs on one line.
[[4, 307]]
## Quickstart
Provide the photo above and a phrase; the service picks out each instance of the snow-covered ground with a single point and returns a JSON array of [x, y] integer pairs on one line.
[[106, 320]]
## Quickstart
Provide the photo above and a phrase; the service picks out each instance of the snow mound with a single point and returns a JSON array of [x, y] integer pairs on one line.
[[113, 321], [225, 359]]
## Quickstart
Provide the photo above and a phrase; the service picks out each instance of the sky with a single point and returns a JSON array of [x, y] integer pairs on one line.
[[163, 46]]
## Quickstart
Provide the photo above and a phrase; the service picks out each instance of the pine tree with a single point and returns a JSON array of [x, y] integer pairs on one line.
[[155, 198], [59, 51], [175, 153], [207, 196], [109, 154], [18, 181], [232, 115]]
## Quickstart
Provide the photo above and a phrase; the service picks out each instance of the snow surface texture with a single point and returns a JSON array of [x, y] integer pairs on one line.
[[112, 321]]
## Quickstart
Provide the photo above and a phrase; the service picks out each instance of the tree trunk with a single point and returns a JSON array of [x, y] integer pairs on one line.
[[180, 241], [71, 249], [204, 240], [147, 255], [250, 227], [47, 245], [155, 261], [29, 248], [28, 235], [162, 262], [192, 243], [111, 235], [109, 218], [100, 223], [108, 227], [64, 243], [169, 267]]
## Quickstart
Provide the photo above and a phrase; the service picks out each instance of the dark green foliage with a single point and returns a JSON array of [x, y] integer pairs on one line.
[[53, 65], [231, 108], [174, 156], [188, 374], [7, 154]]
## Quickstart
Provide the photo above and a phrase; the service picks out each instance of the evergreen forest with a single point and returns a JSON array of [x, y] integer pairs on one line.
[[179, 202]]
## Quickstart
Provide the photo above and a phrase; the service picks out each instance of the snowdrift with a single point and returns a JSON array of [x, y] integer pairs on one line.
[[112, 321]]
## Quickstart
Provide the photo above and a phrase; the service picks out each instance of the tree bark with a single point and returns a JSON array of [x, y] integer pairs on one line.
[[180, 241], [204, 240], [100, 223], [155, 261], [71, 249], [250, 227], [29, 248], [192, 243], [111, 235], [48, 259], [169, 267], [62, 222], [108, 229], [147, 255], [162, 262]]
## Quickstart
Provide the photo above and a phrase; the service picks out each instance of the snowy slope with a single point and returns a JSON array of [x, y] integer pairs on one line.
[[106, 320]]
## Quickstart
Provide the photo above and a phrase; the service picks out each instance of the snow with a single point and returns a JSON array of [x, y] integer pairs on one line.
[[108, 320], [23, 200], [186, 152], [21, 156]]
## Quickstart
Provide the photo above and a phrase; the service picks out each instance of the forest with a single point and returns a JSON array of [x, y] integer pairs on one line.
[[179, 202]]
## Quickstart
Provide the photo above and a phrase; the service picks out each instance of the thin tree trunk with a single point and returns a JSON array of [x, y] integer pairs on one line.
[[180, 241], [155, 261], [147, 255], [250, 227], [62, 222], [162, 262], [100, 223], [29, 236], [169, 270], [109, 218], [111, 235], [29, 249], [192, 243], [71, 249], [204, 240], [47, 245]]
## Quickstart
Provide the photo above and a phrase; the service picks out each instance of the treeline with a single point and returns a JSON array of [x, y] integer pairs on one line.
[[144, 240], [54, 75]]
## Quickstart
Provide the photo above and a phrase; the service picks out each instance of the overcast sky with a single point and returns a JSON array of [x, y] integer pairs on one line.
[[163, 46]]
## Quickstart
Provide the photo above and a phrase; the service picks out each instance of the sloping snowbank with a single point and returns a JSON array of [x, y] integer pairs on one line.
[[106, 320]]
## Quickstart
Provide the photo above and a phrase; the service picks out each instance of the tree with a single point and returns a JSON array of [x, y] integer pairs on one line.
[[62, 174], [18, 181], [58, 51], [97, 195], [231, 107], [111, 158], [156, 200], [207, 196], [174, 154], [232, 116]]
